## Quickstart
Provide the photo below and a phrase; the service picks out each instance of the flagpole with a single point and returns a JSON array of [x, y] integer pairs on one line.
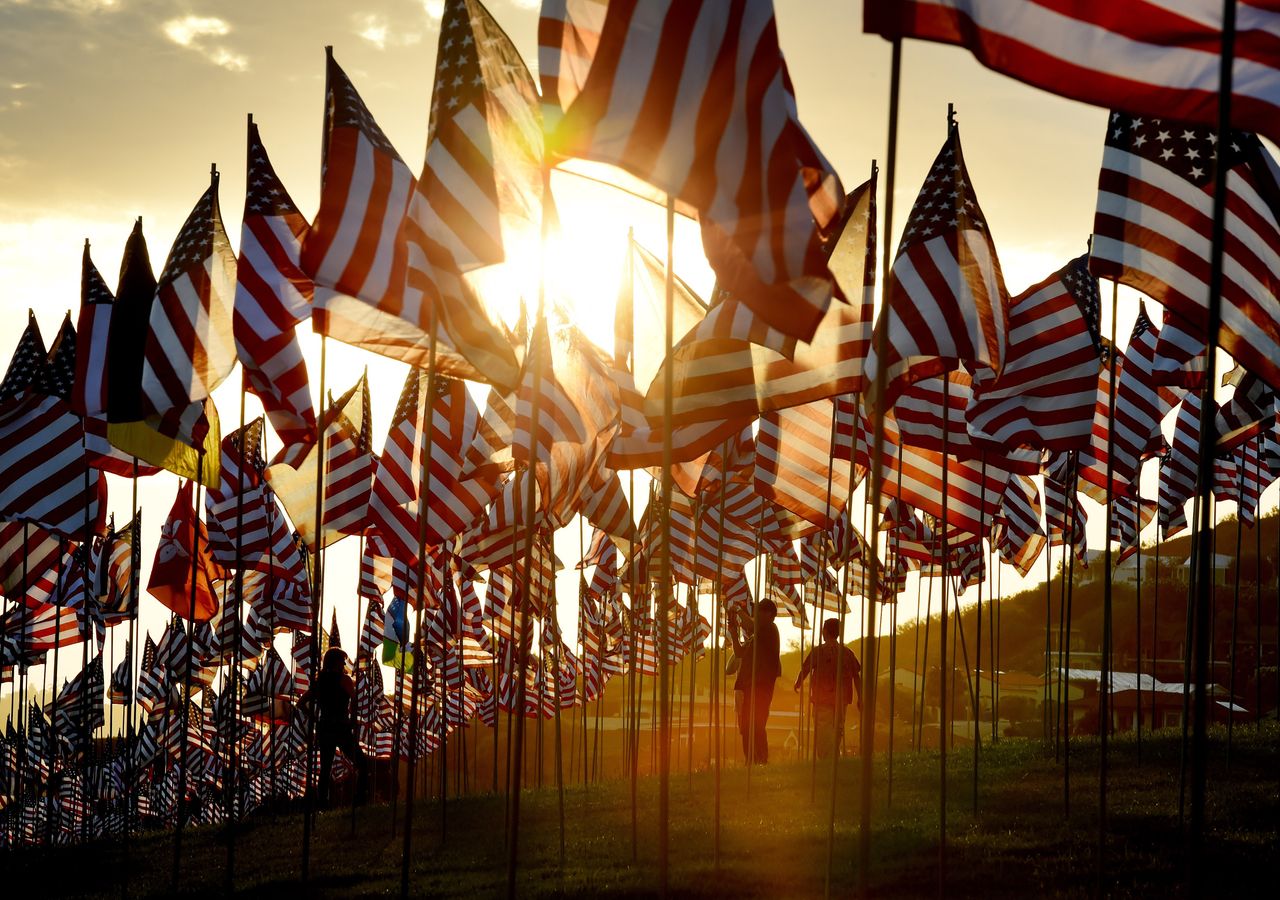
[[419, 644], [942, 645], [977, 640], [881, 342], [1203, 579], [1235, 616], [664, 597], [186, 687], [1104, 689], [821, 588], [1064, 663], [717, 680], [634, 687], [317, 603], [232, 797], [522, 605]]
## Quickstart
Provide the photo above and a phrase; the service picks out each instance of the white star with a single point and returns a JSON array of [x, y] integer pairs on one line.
[[1162, 136], [1166, 154], [1197, 172]]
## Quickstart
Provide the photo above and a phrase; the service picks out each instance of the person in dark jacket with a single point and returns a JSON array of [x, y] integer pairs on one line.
[[835, 681], [759, 666], [332, 700]]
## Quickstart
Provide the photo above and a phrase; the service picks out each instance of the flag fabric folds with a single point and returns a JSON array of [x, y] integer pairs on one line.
[[1157, 58], [273, 296], [695, 98], [1153, 222], [945, 299], [171, 570]]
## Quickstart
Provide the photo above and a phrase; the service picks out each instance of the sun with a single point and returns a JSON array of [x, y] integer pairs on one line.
[[581, 262]]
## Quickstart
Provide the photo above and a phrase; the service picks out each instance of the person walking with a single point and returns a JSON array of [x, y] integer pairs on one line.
[[835, 680], [759, 667], [332, 699]]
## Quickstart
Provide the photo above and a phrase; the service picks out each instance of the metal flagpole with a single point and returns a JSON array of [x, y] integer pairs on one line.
[[1203, 564], [418, 653], [1235, 623], [821, 588], [1064, 681], [942, 649], [522, 635], [717, 669], [317, 574], [664, 596], [1137, 653], [1104, 688], [877, 455], [184, 723], [231, 799]]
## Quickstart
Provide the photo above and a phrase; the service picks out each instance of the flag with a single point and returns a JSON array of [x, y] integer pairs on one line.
[[29, 556], [1157, 58], [696, 99], [128, 428], [190, 348], [798, 464], [119, 566], [1020, 535], [121, 689], [726, 366], [454, 502], [171, 571], [1153, 222], [239, 501], [481, 190], [273, 296], [93, 326], [1043, 396], [946, 302], [348, 470], [44, 478]]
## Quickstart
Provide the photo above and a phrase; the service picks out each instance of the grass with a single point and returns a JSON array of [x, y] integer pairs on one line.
[[1020, 843]]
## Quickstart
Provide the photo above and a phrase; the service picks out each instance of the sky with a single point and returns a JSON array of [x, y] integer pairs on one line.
[[113, 109]]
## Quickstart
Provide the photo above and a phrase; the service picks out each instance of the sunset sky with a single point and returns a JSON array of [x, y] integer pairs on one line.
[[111, 109]]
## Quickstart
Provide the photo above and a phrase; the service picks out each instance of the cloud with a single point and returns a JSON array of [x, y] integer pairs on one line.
[[194, 33], [373, 28], [71, 6], [434, 9]]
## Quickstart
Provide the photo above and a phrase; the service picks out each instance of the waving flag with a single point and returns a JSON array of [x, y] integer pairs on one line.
[[725, 366], [1043, 396], [93, 326], [945, 299], [273, 296], [695, 98], [171, 571], [1157, 57], [1153, 222], [348, 470], [44, 477], [170, 445], [190, 349]]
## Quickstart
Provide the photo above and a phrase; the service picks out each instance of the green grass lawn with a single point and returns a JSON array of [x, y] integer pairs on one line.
[[1020, 843]]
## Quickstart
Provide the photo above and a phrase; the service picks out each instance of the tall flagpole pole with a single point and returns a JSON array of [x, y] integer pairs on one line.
[[1203, 567], [317, 573], [522, 605], [232, 799], [664, 595], [881, 339], [418, 653], [1104, 688]]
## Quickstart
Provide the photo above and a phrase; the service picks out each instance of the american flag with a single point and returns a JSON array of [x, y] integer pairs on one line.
[[1153, 221], [481, 185], [93, 325], [348, 468], [1064, 516], [1141, 405], [239, 500], [28, 552], [797, 461], [1021, 536], [44, 477], [1178, 468], [1249, 412], [273, 296], [1180, 357], [1157, 58], [117, 570], [695, 98], [724, 366], [1130, 514], [190, 348], [945, 299], [1043, 396], [454, 502]]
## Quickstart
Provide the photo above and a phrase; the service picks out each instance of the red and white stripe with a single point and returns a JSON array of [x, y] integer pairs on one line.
[[796, 461], [1021, 536], [1153, 222], [1157, 57], [1043, 396], [695, 98], [89, 397], [945, 299], [190, 347], [273, 296]]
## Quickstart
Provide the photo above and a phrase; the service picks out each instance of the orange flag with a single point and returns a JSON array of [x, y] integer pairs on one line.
[[170, 581]]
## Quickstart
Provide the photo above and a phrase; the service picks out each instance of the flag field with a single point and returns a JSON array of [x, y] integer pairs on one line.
[[772, 841]]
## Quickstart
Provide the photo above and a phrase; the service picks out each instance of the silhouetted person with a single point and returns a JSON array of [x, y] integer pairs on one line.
[[332, 698], [829, 694], [760, 664]]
